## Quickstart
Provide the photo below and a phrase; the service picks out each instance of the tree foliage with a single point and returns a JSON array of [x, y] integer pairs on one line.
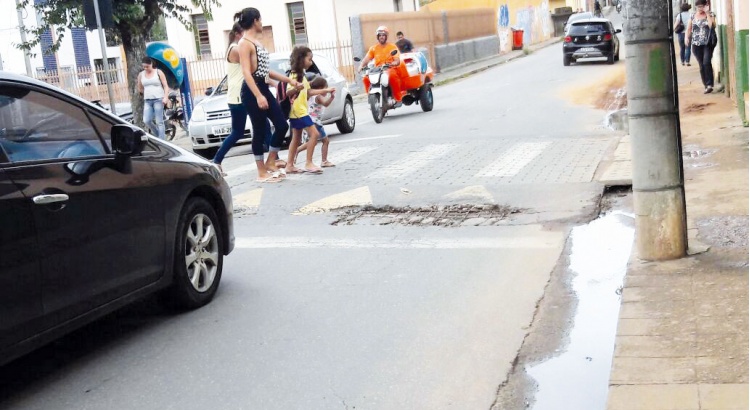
[[133, 23]]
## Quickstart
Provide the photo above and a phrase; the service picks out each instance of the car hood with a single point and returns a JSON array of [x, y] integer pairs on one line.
[[214, 103]]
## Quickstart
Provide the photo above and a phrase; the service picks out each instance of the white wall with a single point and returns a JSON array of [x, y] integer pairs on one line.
[[319, 15]]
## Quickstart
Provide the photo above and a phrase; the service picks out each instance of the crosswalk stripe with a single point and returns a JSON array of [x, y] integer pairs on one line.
[[248, 201], [414, 161], [348, 154], [306, 242], [472, 192], [355, 197], [379, 137], [513, 160]]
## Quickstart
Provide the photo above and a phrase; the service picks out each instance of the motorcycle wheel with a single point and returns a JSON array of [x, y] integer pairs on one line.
[[425, 97], [376, 108], [169, 131]]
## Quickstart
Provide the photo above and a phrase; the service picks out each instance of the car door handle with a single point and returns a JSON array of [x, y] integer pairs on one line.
[[50, 199]]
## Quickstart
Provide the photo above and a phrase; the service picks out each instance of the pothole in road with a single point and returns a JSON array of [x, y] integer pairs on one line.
[[434, 215]]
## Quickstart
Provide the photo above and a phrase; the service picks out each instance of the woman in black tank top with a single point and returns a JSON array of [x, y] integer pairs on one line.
[[256, 96]]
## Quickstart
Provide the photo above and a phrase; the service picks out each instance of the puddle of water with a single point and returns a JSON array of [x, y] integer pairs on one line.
[[617, 120], [579, 377]]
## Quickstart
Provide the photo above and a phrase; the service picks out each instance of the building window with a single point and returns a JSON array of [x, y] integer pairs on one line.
[[297, 26], [200, 31], [398, 5]]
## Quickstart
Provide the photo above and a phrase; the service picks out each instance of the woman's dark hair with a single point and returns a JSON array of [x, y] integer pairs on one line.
[[700, 2], [147, 60], [318, 83], [297, 60], [685, 7], [235, 32], [247, 17]]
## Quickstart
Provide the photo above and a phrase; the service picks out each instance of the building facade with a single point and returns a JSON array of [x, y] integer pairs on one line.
[[286, 23]]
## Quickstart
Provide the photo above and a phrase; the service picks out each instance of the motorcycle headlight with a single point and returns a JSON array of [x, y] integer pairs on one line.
[[199, 114], [374, 78]]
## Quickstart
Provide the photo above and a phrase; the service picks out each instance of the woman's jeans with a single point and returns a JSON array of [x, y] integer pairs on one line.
[[259, 118], [703, 54], [684, 50], [153, 116], [239, 118]]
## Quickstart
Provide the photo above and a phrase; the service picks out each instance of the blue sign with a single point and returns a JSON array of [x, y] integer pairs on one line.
[[187, 95]]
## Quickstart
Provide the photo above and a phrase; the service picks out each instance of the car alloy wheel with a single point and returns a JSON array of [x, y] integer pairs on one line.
[[202, 252], [347, 122], [198, 257]]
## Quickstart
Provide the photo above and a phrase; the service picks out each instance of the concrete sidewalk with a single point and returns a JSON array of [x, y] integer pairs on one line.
[[682, 338]]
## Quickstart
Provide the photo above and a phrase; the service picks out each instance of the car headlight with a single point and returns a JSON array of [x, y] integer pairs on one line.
[[199, 114]]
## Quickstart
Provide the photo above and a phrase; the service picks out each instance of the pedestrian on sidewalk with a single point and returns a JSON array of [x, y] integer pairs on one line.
[[403, 43], [318, 103], [299, 117], [234, 85], [701, 32], [152, 84], [680, 24], [259, 103]]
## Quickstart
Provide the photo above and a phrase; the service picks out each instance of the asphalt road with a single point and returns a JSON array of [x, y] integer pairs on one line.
[[369, 316]]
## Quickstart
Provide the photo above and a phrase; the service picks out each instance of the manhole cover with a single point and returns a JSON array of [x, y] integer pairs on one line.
[[434, 215]]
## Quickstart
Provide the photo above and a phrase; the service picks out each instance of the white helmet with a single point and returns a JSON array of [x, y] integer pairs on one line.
[[381, 30]]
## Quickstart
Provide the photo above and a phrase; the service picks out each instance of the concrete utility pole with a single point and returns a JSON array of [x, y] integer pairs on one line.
[[653, 112], [103, 44], [22, 29]]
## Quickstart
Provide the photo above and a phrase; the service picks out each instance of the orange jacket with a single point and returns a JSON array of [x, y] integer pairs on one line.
[[381, 54]]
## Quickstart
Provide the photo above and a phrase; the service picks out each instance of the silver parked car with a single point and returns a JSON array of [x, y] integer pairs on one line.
[[211, 122]]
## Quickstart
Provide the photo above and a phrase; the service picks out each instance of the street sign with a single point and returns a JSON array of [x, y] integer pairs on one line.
[[105, 13]]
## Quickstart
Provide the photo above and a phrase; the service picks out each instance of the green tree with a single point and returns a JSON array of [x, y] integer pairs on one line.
[[133, 19]]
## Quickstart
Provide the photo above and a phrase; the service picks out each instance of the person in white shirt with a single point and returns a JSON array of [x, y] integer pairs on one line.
[[153, 85]]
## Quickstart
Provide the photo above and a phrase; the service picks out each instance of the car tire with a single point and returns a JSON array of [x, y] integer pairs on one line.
[[198, 256], [566, 60], [611, 58], [425, 97], [207, 153], [347, 122], [617, 56]]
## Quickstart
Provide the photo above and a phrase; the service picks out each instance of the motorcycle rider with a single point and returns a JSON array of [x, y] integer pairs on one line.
[[381, 53]]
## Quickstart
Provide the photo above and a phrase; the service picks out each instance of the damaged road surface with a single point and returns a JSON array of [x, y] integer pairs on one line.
[[408, 276]]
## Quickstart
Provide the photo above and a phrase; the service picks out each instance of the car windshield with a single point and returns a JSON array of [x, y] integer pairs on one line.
[[582, 29]]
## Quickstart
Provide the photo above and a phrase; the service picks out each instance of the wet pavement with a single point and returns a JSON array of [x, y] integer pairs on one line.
[[579, 376]]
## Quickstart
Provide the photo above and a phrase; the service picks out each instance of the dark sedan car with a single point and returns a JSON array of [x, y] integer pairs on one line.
[[591, 38], [95, 214]]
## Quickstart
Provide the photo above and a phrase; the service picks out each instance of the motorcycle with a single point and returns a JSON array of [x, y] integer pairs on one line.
[[415, 76], [169, 128], [174, 115]]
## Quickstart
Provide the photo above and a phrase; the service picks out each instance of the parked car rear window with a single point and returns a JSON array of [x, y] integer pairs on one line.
[[581, 29]]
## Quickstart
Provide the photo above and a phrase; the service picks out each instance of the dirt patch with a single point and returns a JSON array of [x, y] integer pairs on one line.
[[696, 107], [434, 215], [605, 93]]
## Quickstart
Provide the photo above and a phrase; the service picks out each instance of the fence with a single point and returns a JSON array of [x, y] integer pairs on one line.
[[208, 71], [89, 84], [204, 72]]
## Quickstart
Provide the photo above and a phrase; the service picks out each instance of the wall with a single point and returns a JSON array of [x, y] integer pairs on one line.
[[320, 16], [533, 16]]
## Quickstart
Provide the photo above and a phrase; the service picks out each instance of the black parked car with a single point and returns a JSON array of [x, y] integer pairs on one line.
[[95, 214], [591, 38]]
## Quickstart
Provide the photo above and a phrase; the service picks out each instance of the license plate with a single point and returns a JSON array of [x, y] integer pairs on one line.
[[588, 50], [222, 129]]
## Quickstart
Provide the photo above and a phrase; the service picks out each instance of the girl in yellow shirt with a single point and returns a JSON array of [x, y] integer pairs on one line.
[[299, 118]]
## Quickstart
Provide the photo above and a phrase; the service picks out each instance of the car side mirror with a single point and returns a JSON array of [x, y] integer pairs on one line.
[[618, 31], [127, 140], [394, 52], [357, 59], [209, 91]]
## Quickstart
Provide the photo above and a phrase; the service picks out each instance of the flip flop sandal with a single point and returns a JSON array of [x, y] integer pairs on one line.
[[327, 164], [314, 171], [278, 174], [269, 180], [295, 171]]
